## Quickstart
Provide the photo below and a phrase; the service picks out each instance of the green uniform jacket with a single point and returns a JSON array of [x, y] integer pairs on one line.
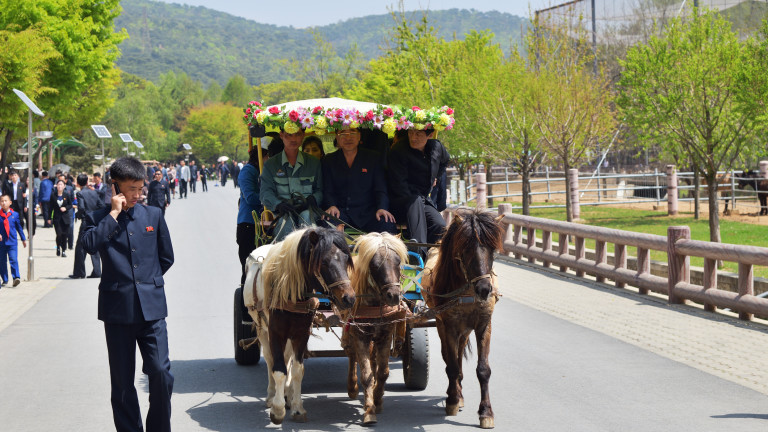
[[279, 180]]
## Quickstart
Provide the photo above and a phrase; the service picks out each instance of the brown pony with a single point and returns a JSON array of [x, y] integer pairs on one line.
[[367, 337], [459, 282], [279, 292]]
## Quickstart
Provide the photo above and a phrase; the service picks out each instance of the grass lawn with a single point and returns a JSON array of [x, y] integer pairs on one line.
[[656, 222]]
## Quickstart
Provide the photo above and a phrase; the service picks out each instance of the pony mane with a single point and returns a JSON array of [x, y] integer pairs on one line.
[[471, 229], [284, 276], [366, 248]]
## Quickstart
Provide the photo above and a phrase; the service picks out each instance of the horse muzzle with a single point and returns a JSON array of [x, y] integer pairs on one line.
[[483, 288]]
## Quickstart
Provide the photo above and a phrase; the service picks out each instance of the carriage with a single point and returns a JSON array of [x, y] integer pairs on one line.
[[302, 282]]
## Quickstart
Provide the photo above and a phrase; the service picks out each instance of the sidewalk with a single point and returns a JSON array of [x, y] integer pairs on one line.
[[49, 271], [718, 344]]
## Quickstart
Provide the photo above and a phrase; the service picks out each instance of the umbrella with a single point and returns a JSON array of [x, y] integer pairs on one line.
[[222, 159], [62, 167]]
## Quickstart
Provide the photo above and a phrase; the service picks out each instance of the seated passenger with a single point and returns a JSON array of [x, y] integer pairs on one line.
[[291, 182], [414, 164], [313, 146], [354, 185]]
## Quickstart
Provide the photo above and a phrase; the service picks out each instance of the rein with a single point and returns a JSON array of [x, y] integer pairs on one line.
[[468, 286]]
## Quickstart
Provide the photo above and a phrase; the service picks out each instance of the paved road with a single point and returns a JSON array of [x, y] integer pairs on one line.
[[566, 356]]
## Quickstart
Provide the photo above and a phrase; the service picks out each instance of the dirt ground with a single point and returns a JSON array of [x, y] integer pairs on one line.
[[747, 209]]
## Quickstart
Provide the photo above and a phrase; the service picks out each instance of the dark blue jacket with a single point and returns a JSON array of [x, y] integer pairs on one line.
[[46, 187], [14, 226], [248, 180], [135, 253], [357, 191]]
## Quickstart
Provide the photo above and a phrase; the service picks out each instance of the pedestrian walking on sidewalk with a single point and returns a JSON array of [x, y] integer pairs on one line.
[[88, 200], [61, 203], [136, 251], [9, 242]]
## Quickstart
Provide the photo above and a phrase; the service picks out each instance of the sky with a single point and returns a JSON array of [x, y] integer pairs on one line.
[[305, 13]]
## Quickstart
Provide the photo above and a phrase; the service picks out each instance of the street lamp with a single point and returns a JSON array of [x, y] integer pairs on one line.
[[188, 148], [126, 139], [30, 215], [102, 133]]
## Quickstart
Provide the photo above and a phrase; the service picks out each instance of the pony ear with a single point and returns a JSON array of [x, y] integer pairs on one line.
[[313, 237], [499, 218], [457, 217]]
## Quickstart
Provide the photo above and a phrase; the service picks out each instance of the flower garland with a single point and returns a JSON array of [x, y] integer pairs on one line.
[[322, 120]]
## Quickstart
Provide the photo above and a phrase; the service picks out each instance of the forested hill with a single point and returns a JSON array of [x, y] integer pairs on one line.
[[210, 45]]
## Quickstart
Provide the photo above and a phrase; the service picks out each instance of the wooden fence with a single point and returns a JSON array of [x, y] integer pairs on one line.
[[521, 240]]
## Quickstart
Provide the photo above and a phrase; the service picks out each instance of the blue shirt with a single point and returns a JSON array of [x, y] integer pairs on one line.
[[46, 187], [249, 194], [14, 225]]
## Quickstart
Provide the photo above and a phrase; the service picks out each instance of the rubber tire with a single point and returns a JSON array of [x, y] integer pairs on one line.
[[416, 359], [243, 331]]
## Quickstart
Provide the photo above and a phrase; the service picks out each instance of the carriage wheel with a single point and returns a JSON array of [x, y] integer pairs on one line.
[[243, 331], [416, 359]]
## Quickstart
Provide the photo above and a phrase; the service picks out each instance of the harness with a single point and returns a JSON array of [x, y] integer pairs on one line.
[[465, 293]]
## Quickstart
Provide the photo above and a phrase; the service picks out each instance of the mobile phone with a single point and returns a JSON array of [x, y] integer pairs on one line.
[[117, 188]]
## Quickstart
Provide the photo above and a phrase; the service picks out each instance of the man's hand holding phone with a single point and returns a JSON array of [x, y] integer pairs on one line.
[[118, 201]]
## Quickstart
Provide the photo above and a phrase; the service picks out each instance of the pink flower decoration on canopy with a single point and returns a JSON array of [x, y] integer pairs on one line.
[[293, 115], [274, 110]]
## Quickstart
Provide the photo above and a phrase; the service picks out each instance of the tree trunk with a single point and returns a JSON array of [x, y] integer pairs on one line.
[[6, 149], [525, 172], [568, 212], [488, 187]]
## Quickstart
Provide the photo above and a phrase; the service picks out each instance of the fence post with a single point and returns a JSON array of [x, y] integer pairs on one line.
[[506, 179], [746, 286], [481, 191], [679, 266], [508, 233], [549, 194], [573, 178], [764, 169], [671, 190], [658, 193]]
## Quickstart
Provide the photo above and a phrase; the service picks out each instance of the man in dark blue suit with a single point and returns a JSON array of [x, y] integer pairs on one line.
[[354, 185], [136, 251]]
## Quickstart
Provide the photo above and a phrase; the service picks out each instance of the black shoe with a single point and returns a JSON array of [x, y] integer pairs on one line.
[[94, 276], [63, 255], [76, 277], [58, 252], [16, 282]]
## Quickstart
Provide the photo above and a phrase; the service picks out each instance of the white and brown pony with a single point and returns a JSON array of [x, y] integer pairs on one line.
[[371, 323], [280, 292], [459, 282]]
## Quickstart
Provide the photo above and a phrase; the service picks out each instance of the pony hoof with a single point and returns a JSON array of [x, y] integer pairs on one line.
[[352, 394], [369, 419], [452, 410], [487, 423], [299, 417], [275, 419]]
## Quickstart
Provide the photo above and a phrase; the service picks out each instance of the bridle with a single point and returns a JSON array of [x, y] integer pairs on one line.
[[382, 288]]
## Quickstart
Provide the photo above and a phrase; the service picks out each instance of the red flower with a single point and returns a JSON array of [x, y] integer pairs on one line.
[[293, 115], [415, 108], [256, 111], [274, 110], [248, 111], [388, 112], [369, 116], [317, 110], [449, 111]]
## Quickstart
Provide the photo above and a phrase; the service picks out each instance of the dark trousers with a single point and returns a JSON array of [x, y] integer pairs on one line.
[[9, 254], [80, 253], [425, 223], [246, 243], [372, 226], [61, 235], [45, 208], [71, 233], [204, 181], [152, 339], [182, 188], [193, 185]]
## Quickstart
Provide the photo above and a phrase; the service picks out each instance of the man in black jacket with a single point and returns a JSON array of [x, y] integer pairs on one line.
[[158, 192], [88, 200], [415, 164]]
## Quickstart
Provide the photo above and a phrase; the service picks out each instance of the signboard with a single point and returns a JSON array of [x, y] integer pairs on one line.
[[22, 151], [126, 138], [101, 131]]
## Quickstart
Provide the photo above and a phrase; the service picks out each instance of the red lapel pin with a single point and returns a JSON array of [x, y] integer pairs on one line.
[[150, 229]]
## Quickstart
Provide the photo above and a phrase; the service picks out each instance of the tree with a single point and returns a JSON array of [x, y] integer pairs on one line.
[[571, 104], [24, 57], [215, 130], [237, 91], [700, 92], [324, 70]]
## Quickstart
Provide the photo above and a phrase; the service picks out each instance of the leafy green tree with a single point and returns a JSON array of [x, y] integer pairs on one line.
[[700, 92], [180, 94], [215, 130], [24, 57], [237, 92], [213, 93], [284, 91], [572, 105], [324, 70]]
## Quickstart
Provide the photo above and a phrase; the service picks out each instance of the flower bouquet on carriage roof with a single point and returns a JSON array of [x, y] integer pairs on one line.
[[322, 116]]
